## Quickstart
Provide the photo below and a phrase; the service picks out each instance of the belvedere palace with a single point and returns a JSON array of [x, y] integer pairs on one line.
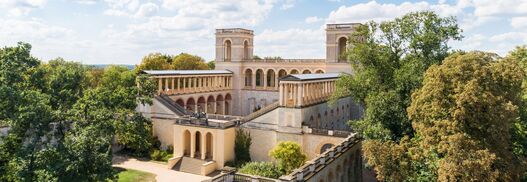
[[274, 100]]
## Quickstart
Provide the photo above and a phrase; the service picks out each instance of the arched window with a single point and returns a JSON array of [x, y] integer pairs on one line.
[[227, 50], [282, 73], [259, 78], [306, 72], [342, 48], [248, 77], [319, 71], [245, 49], [294, 71], [271, 78]]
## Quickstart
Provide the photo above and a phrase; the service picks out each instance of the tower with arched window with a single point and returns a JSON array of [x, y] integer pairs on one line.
[[234, 44], [337, 36]]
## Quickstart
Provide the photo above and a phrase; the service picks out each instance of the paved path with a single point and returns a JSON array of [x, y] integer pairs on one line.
[[160, 170]]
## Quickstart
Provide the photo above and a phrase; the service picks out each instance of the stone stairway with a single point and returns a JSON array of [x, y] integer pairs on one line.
[[189, 165]]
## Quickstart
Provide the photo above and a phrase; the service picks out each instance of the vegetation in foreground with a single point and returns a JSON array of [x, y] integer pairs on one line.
[[130, 175]]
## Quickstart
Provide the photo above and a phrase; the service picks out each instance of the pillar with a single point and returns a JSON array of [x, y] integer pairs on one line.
[[281, 95], [203, 145], [253, 78], [160, 86], [300, 94], [172, 87], [265, 80]]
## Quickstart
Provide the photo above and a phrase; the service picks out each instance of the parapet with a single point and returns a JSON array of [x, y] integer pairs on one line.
[[341, 26], [234, 31]]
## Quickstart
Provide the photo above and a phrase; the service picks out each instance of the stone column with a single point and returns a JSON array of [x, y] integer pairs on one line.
[[276, 81], [281, 95], [300, 94], [160, 86], [253, 79], [192, 144], [173, 89], [166, 86], [203, 145], [265, 80]]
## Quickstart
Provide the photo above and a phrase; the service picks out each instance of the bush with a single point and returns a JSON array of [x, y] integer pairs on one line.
[[242, 145], [289, 156], [264, 169], [160, 155]]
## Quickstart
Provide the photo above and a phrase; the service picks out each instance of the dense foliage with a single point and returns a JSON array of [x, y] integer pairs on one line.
[[265, 169], [183, 61], [462, 118], [63, 117], [289, 156], [388, 60], [242, 146]]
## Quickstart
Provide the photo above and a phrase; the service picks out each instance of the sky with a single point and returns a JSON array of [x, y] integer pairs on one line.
[[123, 31]]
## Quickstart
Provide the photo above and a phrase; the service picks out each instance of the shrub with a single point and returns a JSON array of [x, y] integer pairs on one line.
[[160, 155], [264, 169], [242, 145], [289, 156]]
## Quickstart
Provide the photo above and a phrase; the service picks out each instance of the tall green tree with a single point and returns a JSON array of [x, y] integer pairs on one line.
[[388, 60], [462, 118], [186, 61], [242, 146], [155, 61]]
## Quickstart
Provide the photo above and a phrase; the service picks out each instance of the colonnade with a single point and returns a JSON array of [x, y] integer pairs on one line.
[[268, 80], [185, 84], [301, 93], [198, 144], [210, 104]]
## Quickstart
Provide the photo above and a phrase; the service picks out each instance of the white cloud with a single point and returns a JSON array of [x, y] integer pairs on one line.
[[288, 4], [147, 9], [87, 2], [20, 7], [313, 19], [519, 22], [291, 43]]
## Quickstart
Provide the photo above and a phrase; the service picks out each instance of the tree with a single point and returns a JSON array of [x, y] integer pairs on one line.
[[155, 61], [186, 61], [63, 82], [462, 118], [242, 146], [388, 60], [211, 65], [289, 156], [265, 169], [135, 133]]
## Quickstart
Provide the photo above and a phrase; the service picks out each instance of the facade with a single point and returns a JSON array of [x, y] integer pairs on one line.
[[275, 100]]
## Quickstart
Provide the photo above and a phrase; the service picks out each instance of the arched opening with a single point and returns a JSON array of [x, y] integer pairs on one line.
[[186, 143], [208, 147], [248, 77], [339, 173], [227, 46], [211, 102], [259, 78], [180, 102], [228, 104], [191, 105], [293, 71], [219, 104], [326, 147], [311, 121], [319, 71], [245, 49], [201, 104], [331, 177], [197, 142], [306, 72], [318, 124], [342, 48], [271, 77]]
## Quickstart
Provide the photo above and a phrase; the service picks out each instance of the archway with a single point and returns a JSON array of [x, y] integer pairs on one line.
[[186, 143], [191, 105], [208, 146], [330, 176], [259, 78], [293, 71], [180, 102], [282, 73], [271, 78], [245, 49], [211, 102], [312, 122], [248, 77], [318, 121], [219, 104], [319, 71], [228, 104], [326, 147], [342, 48], [227, 45], [197, 142], [306, 72], [201, 104]]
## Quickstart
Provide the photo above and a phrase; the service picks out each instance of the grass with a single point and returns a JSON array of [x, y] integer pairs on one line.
[[130, 175]]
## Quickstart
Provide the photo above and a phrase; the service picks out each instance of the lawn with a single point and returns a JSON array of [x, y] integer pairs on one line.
[[130, 175]]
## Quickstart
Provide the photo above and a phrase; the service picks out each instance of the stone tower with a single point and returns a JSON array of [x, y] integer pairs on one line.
[[234, 45], [337, 39]]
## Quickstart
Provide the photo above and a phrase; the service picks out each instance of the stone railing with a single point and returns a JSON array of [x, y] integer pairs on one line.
[[310, 168], [234, 30], [260, 112], [285, 60], [342, 26], [238, 177], [328, 132]]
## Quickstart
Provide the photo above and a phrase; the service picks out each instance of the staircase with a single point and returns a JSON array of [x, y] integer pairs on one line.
[[260, 112], [189, 165], [170, 104]]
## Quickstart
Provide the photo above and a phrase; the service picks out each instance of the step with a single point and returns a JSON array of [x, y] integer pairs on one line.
[[189, 165]]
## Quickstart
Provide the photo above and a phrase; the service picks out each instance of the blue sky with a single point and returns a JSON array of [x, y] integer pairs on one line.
[[123, 31]]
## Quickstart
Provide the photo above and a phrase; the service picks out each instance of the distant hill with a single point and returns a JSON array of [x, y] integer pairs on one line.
[[105, 65]]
